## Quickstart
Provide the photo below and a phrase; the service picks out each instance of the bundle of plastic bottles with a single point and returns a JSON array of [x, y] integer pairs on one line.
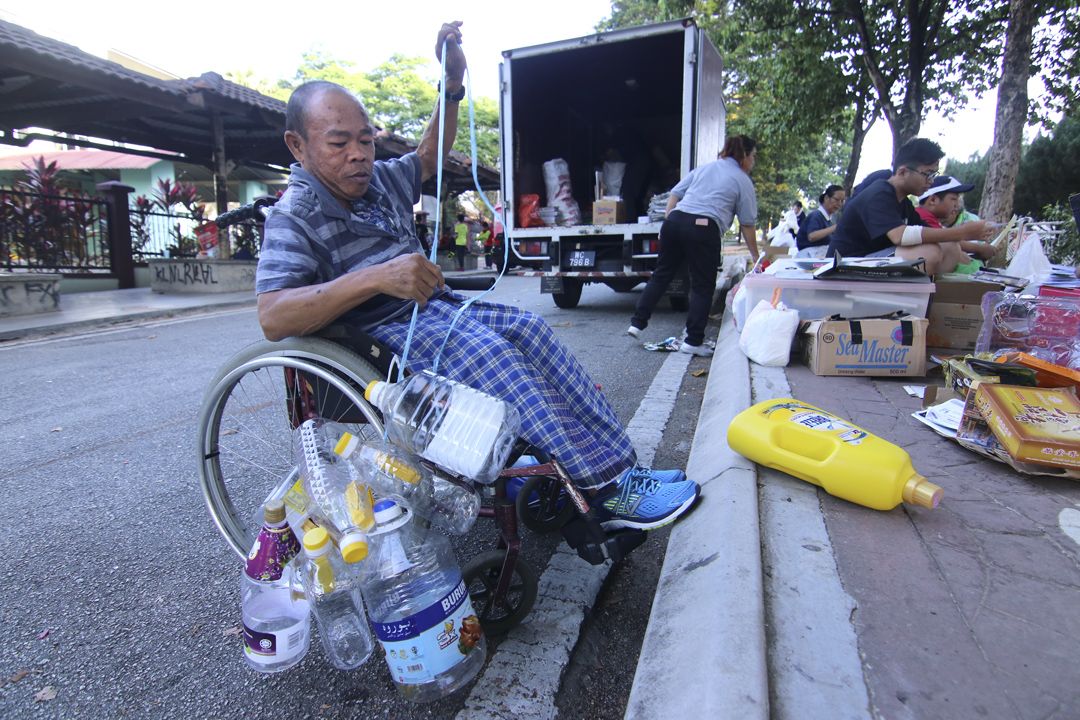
[[371, 518]]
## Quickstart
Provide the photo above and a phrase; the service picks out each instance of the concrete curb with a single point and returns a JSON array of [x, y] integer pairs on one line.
[[704, 650], [109, 322]]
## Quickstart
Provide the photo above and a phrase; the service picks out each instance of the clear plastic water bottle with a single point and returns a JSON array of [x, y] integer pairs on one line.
[[277, 622], [398, 475], [466, 431], [420, 608], [336, 497], [336, 602]]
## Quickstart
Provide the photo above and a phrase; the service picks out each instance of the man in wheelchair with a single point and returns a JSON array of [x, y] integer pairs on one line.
[[340, 247]]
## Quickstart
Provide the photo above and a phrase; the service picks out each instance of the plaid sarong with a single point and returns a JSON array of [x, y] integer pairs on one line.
[[513, 354]]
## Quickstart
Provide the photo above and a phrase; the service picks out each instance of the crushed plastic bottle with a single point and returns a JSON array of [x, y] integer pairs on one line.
[[336, 497], [277, 623], [336, 602], [465, 431], [420, 607]]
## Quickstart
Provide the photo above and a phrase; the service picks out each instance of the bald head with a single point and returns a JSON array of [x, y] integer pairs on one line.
[[296, 113]]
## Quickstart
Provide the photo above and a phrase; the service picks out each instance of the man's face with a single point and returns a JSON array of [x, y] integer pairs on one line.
[[917, 179], [339, 147]]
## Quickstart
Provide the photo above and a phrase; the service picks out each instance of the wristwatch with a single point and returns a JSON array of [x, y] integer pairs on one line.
[[454, 96]]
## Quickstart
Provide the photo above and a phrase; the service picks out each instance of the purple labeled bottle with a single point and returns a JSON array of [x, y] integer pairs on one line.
[[277, 622]]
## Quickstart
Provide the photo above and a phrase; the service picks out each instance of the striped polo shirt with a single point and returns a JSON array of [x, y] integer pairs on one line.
[[310, 238]]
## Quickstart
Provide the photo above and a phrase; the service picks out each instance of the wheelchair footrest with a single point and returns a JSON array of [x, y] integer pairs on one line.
[[595, 545]]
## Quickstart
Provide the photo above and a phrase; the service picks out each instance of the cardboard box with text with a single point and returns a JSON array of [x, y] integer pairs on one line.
[[866, 347]]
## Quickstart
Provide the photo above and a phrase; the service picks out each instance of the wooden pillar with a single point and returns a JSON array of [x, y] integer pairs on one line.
[[221, 188], [115, 195]]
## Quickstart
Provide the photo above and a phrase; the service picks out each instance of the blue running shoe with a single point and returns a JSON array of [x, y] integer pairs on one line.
[[664, 476], [641, 501]]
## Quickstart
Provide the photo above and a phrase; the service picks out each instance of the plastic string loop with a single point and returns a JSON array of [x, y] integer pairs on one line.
[[438, 219]]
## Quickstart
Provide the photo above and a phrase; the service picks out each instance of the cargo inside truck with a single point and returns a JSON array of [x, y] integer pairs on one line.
[[612, 101]]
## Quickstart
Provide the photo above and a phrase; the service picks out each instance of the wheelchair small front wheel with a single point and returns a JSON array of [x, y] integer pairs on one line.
[[541, 504], [499, 615]]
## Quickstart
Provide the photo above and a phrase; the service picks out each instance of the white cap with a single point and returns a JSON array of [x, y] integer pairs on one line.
[[944, 184]]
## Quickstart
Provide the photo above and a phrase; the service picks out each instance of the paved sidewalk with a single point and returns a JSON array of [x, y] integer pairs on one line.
[[778, 600]]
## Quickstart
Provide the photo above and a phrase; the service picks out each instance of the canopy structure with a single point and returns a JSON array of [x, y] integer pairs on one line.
[[206, 120]]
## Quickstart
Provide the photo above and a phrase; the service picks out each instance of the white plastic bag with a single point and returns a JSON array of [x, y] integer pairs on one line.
[[559, 194], [769, 330], [1029, 261]]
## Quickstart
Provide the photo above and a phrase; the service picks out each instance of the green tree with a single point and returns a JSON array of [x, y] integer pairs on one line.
[[778, 91], [397, 94]]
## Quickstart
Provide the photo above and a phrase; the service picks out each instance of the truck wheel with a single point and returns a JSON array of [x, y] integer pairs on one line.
[[679, 303], [570, 296]]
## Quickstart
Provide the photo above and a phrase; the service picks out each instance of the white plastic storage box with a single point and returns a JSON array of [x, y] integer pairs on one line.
[[820, 299]]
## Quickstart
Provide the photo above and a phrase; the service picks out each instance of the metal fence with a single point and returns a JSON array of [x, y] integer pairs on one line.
[[53, 232], [157, 234]]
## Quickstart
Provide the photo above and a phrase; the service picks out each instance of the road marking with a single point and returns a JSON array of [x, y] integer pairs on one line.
[[1069, 521], [522, 678]]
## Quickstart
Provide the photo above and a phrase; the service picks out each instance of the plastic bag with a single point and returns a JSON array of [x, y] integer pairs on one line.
[[529, 211], [766, 338], [613, 173], [736, 300], [1046, 327], [559, 195], [1029, 261]]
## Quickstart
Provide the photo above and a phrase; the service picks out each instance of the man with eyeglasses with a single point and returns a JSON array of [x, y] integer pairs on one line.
[[880, 220]]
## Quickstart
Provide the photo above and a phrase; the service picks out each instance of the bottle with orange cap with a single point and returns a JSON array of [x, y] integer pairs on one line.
[[828, 451]]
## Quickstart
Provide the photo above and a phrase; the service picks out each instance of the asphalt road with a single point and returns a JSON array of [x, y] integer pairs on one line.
[[119, 597]]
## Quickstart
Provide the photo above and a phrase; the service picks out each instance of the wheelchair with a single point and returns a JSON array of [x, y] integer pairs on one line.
[[266, 390]]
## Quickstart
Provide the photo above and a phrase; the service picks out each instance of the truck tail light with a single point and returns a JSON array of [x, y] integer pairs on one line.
[[650, 245], [531, 248]]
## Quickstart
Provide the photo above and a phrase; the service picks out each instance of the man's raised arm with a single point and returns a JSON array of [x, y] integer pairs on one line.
[[453, 86]]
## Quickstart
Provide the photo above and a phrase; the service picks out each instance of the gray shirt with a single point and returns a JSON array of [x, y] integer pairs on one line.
[[719, 190]]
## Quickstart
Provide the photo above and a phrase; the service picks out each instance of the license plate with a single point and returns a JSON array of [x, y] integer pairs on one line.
[[581, 258]]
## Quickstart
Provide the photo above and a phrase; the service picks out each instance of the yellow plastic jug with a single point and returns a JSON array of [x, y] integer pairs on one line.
[[830, 452]]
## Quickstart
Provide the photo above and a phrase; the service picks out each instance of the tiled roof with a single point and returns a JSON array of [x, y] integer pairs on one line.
[[211, 81]]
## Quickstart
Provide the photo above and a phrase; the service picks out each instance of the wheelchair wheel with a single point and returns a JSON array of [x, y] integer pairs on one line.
[[248, 415], [482, 578], [541, 505]]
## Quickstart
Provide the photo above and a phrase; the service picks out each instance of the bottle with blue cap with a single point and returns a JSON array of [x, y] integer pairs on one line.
[[336, 603], [419, 607]]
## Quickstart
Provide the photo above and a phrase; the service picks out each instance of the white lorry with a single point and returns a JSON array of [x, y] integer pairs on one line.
[[648, 97]]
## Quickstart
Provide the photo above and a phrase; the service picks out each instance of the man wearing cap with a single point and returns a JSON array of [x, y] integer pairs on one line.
[[880, 219]]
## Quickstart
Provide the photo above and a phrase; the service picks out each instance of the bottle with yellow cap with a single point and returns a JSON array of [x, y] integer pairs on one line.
[[399, 475], [336, 603], [336, 497], [457, 427], [816, 446]]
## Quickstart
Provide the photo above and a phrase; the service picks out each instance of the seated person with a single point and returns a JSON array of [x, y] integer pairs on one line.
[[813, 236], [880, 219], [340, 248], [940, 205]]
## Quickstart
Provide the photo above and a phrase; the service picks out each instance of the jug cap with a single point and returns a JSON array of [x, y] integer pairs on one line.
[[354, 547], [920, 491], [386, 510], [373, 390]]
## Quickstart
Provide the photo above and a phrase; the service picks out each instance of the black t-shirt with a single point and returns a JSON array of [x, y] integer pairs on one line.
[[867, 218]]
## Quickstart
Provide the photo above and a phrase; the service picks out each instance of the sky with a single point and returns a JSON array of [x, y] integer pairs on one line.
[[269, 38]]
